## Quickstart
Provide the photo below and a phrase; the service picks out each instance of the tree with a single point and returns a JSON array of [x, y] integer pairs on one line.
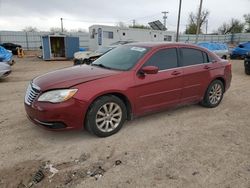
[[192, 21], [121, 24], [57, 30], [247, 22], [139, 26], [30, 29], [235, 26]]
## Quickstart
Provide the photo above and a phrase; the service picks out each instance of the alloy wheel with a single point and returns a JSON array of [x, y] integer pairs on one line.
[[215, 94], [108, 117]]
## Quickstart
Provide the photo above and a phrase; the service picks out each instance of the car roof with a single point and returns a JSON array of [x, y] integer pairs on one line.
[[161, 44]]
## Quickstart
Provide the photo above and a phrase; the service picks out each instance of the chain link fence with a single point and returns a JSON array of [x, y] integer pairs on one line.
[[33, 40], [229, 38]]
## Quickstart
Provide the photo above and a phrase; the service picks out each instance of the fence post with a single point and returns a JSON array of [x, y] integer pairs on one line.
[[27, 42]]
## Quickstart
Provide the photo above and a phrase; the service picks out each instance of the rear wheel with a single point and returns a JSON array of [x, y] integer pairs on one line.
[[214, 94], [106, 116], [247, 71]]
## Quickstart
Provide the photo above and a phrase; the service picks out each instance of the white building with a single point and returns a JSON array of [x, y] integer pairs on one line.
[[101, 35]]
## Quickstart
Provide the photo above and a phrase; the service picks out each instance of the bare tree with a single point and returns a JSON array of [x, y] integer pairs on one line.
[[30, 29], [235, 26], [139, 26], [247, 21], [121, 24], [192, 21], [57, 30]]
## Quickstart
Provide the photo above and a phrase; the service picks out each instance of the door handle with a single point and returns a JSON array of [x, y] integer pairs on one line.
[[175, 73], [207, 67]]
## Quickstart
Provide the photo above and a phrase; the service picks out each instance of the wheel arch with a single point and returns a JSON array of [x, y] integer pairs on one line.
[[222, 80], [121, 96]]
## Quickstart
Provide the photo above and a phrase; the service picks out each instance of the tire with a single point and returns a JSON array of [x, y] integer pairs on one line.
[[213, 95], [106, 116], [77, 62], [224, 57], [247, 71]]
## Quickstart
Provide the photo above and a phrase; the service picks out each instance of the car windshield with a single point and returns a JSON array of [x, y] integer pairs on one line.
[[121, 42], [121, 58], [103, 50]]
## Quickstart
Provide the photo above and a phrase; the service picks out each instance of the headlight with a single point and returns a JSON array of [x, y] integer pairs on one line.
[[56, 96]]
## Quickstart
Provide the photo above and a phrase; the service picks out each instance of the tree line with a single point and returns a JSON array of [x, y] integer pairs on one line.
[[233, 26]]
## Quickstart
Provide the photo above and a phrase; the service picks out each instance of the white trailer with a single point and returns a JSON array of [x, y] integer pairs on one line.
[[101, 35]]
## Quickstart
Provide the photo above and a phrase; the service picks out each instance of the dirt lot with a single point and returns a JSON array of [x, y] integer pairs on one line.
[[187, 147]]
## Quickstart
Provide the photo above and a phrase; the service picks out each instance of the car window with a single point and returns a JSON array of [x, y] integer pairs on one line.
[[191, 56], [163, 59], [205, 57]]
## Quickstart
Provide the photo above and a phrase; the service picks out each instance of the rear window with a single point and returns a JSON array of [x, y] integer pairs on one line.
[[191, 56]]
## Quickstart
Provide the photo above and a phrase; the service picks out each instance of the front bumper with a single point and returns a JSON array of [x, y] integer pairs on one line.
[[4, 73], [67, 115]]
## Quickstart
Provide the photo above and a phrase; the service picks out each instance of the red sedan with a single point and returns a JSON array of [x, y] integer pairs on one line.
[[129, 81]]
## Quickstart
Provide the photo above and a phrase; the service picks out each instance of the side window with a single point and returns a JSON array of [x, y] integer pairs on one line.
[[191, 56], [205, 57], [163, 59], [108, 34]]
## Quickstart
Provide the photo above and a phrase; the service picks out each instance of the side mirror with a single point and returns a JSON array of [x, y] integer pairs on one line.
[[150, 70]]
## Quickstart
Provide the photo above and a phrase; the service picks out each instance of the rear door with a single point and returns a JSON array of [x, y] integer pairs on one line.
[[156, 91], [196, 74]]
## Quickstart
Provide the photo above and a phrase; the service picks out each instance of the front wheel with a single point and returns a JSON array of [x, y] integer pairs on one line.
[[214, 94], [106, 116]]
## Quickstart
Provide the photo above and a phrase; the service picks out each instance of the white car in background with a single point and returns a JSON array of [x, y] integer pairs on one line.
[[5, 69], [87, 57]]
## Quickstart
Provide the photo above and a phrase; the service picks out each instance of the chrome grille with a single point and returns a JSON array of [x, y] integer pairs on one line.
[[31, 93]]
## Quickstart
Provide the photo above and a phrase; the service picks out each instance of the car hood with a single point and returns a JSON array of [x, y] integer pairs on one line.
[[4, 66], [68, 77]]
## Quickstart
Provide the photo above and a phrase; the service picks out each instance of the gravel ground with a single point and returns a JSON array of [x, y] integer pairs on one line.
[[190, 146]]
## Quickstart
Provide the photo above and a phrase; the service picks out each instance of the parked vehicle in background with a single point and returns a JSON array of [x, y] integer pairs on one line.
[[11, 46], [87, 57], [130, 81], [6, 56], [247, 64], [241, 51], [220, 49], [5, 69]]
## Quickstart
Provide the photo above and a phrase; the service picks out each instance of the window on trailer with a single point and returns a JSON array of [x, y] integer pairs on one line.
[[108, 34]]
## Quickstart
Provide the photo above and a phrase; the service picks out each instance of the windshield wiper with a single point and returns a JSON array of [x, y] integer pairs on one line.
[[101, 65]]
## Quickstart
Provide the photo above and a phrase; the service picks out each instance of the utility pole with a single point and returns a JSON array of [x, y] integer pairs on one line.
[[198, 22], [178, 22], [133, 23], [206, 26], [62, 25], [165, 18]]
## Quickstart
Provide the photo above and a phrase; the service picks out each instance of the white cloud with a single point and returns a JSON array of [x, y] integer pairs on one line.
[[16, 14]]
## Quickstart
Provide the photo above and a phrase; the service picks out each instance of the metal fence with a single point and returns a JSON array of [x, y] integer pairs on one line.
[[229, 38], [33, 40]]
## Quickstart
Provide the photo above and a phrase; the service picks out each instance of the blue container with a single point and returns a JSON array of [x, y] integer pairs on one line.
[[59, 47]]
